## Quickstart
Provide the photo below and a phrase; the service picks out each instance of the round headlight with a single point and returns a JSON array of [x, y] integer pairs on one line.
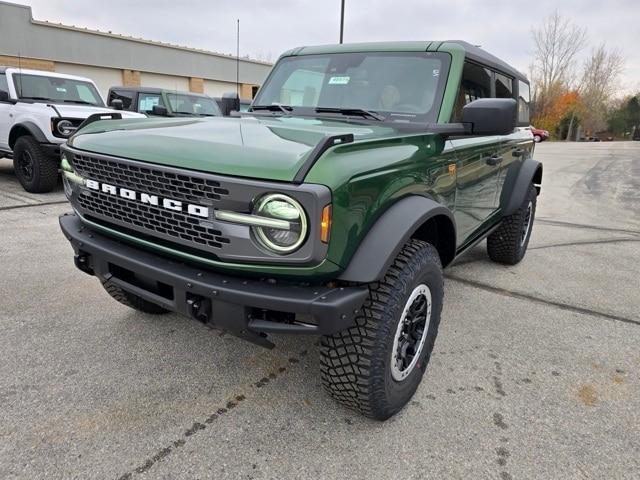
[[65, 128], [286, 212]]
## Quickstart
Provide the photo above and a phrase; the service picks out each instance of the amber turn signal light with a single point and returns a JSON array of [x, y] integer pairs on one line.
[[325, 224]]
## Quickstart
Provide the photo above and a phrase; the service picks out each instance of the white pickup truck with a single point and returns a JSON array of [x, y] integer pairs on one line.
[[38, 112]]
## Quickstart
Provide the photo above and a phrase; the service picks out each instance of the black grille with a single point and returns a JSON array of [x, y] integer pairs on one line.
[[152, 219], [171, 225], [176, 186]]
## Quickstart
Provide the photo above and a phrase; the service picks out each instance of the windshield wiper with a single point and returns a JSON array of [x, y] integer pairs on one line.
[[274, 107], [37, 98], [80, 102], [352, 111]]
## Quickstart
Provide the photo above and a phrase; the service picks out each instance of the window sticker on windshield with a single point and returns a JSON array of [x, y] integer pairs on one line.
[[339, 80], [61, 89], [436, 72]]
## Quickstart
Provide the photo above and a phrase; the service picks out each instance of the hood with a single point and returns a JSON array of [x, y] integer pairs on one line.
[[272, 148], [83, 111]]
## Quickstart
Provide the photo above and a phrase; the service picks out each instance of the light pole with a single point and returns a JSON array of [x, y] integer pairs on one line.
[[341, 21]]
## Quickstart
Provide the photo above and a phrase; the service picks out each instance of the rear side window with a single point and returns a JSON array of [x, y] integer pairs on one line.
[[125, 95], [146, 102], [3, 82], [504, 86], [524, 99], [476, 83]]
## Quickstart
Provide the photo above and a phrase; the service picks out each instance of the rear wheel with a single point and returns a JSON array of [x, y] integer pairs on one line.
[[509, 242], [37, 172], [537, 138], [131, 300], [376, 366]]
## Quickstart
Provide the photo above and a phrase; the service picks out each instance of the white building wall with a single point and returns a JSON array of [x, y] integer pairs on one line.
[[215, 88], [104, 78], [170, 82]]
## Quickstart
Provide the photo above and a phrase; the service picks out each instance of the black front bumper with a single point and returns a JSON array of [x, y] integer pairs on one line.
[[51, 149], [245, 307]]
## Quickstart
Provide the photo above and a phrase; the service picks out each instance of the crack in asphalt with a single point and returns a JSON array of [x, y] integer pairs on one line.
[[543, 301], [197, 426], [586, 242], [559, 223], [552, 245], [43, 204]]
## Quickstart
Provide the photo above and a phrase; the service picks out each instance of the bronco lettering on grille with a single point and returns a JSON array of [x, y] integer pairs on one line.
[[169, 204]]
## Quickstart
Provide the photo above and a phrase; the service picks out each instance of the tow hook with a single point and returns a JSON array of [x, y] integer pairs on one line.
[[82, 263], [199, 308]]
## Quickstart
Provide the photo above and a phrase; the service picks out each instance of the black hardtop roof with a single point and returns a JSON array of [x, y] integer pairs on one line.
[[157, 90], [471, 52], [477, 54]]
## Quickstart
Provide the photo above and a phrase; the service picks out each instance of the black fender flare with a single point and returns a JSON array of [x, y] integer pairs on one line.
[[33, 130], [516, 184], [392, 230]]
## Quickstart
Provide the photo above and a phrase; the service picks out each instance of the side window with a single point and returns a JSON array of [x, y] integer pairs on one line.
[[504, 86], [125, 95], [476, 83], [146, 101], [3, 82], [523, 103]]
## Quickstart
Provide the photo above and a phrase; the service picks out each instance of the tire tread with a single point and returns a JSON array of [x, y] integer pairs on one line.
[[351, 366]]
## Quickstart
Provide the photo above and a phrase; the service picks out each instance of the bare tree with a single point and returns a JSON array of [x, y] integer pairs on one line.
[[598, 85], [557, 42]]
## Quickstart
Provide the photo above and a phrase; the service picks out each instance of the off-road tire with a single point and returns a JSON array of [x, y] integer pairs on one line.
[[131, 300], [355, 363], [44, 176], [506, 244]]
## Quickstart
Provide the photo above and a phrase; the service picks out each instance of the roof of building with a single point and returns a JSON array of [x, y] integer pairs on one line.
[[131, 38]]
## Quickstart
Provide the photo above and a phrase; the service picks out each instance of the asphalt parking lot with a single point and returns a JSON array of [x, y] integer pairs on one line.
[[536, 371]]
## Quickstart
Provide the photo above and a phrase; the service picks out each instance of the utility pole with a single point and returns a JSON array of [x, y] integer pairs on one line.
[[342, 21], [238, 59]]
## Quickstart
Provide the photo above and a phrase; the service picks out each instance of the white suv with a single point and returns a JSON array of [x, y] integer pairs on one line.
[[38, 112]]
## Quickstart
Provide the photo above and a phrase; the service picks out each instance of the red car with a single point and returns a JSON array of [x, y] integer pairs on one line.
[[539, 135]]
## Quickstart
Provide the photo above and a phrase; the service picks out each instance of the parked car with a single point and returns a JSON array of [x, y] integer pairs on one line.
[[539, 135], [241, 105], [330, 208], [162, 102], [38, 111]]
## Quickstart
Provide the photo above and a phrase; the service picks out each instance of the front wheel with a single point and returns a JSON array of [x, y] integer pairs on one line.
[[37, 172], [537, 138], [375, 367]]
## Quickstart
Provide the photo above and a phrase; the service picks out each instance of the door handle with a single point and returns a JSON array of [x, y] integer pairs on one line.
[[494, 160], [518, 152]]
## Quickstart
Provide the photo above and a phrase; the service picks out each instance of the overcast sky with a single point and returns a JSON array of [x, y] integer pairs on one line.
[[269, 27]]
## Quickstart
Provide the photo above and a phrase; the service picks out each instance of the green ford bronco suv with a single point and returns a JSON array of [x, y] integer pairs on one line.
[[329, 208]]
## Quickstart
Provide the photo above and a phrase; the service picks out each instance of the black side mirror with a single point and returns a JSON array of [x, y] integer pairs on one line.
[[159, 110], [4, 96], [230, 102], [116, 104], [491, 116]]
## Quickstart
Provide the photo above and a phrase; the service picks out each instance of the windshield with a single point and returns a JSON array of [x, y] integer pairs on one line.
[[193, 104], [403, 86], [56, 90]]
